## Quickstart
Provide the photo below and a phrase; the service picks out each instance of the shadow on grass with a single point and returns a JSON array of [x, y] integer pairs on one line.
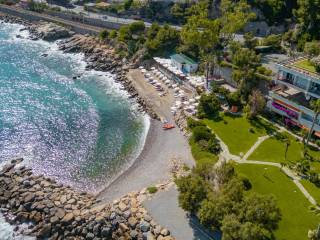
[[260, 124]]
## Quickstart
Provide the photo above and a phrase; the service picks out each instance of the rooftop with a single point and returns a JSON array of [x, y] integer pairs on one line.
[[181, 58], [292, 94], [302, 65]]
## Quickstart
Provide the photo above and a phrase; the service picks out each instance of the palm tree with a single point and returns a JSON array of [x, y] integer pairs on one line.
[[316, 108], [287, 142]]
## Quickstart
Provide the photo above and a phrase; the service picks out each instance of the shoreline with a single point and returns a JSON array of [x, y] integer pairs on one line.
[[172, 142]]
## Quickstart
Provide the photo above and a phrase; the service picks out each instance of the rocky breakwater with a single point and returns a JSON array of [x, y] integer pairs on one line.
[[55, 211], [102, 57]]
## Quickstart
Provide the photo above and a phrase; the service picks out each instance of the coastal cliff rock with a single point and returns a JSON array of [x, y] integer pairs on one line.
[[59, 212], [49, 31]]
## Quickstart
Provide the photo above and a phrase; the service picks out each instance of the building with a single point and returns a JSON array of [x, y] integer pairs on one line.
[[184, 63], [296, 85]]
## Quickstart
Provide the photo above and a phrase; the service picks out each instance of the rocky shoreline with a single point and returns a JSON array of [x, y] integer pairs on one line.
[[57, 212], [54, 211], [98, 56]]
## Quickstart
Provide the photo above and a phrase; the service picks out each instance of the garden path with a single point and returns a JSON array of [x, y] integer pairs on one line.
[[225, 156]]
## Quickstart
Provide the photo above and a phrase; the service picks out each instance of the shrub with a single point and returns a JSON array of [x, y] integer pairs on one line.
[[103, 34], [201, 133], [136, 27], [192, 123], [113, 34], [152, 189]]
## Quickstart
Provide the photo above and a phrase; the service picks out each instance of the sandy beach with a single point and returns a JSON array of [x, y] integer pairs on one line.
[[153, 164]]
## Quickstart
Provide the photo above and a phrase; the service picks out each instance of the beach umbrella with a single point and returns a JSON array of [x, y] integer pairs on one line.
[[147, 75], [141, 67], [191, 100], [174, 85], [185, 103], [176, 89], [153, 68], [143, 70], [197, 97]]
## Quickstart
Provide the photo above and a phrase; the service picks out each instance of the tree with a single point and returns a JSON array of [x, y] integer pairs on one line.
[[127, 4], [245, 63], [250, 41], [209, 105], [193, 191], [308, 15], [286, 139], [262, 210], [256, 104], [212, 35], [316, 109], [312, 49]]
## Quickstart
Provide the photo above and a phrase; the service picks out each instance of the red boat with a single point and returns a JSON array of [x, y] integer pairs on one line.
[[167, 126]]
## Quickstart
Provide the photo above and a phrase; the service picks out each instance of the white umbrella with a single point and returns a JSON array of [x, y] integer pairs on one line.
[[174, 85], [176, 89], [197, 97], [158, 84], [153, 68], [185, 103], [143, 70], [191, 100], [141, 67], [147, 75]]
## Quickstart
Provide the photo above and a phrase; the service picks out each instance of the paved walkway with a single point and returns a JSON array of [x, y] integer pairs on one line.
[[165, 209], [225, 155]]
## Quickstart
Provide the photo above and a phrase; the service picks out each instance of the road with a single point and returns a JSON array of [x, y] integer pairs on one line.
[[104, 17]]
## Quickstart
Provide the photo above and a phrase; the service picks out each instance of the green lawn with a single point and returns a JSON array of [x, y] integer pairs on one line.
[[312, 189], [297, 219], [273, 150], [305, 64], [235, 131]]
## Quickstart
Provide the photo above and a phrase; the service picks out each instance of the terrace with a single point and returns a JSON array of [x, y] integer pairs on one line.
[[291, 94], [303, 66]]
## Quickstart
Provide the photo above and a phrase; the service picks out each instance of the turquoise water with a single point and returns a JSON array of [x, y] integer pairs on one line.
[[82, 132]]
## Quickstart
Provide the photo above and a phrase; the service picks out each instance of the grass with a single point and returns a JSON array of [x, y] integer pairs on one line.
[[235, 131], [297, 219], [312, 189], [200, 155], [273, 150], [305, 64]]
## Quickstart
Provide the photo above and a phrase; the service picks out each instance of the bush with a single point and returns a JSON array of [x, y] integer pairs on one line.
[[192, 123], [152, 189], [113, 34], [103, 34], [209, 105], [201, 133], [137, 27], [274, 41]]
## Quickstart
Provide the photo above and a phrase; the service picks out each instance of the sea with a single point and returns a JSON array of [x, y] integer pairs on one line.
[[76, 126]]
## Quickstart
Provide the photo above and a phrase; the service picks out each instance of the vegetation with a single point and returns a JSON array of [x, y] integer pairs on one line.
[[256, 104], [296, 219], [152, 189], [103, 34], [238, 132], [274, 150], [218, 197]]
